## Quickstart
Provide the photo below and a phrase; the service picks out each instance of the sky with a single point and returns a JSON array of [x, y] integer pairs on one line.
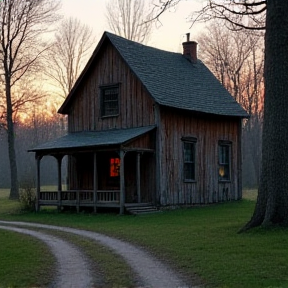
[[168, 36]]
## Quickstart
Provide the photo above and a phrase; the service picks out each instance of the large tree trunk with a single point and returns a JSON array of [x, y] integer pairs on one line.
[[272, 202], [14, 189]]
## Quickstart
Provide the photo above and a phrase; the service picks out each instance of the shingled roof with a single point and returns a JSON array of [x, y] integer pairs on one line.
[[91, 139], [171, 79]]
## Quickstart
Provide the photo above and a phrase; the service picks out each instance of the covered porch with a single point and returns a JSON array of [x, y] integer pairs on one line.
[[106, 169]]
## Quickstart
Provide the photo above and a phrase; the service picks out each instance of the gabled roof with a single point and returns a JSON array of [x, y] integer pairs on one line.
[[170, 78], [91, 139]]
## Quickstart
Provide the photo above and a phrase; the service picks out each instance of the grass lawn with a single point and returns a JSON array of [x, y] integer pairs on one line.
[[20, 264], [201, 240]]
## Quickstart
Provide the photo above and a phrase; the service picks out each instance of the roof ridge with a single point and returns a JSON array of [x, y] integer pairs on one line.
[[169, 78]]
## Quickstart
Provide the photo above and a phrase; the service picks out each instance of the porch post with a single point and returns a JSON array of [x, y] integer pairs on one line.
[[95, 183], [138, 179], [38, 160], [77, 199], [122, 182], [157, 199], [59, 163]]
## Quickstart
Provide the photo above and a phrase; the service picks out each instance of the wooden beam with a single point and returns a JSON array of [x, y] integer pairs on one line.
[[77, 183], [95, 182], [146, 150], [122, 182], [78, 201], [158, 172], [59, 164], [38, 182], [138, 178], [238, 194]]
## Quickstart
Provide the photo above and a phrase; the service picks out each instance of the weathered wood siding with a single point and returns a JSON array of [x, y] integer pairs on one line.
[[147, 177], [146, 141], [208, 131], [81, 170], [136, 107]]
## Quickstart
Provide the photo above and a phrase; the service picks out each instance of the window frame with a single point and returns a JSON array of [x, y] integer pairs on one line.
[[104, 101], [226, 164], [191, 141]]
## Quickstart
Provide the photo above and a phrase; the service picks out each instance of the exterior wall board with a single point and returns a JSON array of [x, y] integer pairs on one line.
[[137, 109], [136, 106], [208, 131]]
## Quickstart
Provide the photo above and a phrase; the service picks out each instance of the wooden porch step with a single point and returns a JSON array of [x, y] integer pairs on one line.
[[140, 209]]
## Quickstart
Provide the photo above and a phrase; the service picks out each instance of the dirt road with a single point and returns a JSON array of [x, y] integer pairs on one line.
[[149, 270]]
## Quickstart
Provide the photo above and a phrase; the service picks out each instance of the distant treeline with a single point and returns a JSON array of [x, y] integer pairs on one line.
[[27, 137]]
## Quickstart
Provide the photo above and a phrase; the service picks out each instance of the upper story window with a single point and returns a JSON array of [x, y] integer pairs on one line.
[[109, 100], [189, 151], [224, 161]]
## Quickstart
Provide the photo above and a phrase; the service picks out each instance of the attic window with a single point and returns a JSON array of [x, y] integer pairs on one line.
[[109, 100]]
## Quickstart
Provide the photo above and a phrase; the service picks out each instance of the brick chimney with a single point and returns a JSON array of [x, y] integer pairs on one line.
[[190, 49]]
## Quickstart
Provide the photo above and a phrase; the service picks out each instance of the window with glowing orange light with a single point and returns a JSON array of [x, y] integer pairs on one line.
[[114, 167], [224, 161]]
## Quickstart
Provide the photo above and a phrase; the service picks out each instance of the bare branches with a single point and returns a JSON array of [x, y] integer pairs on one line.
[[229, 56], [130, 19], [21, 26], [72, 46], [246, 14]]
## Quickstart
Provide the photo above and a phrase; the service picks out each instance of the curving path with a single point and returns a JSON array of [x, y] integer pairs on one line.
[[152, 272], [72, 269]]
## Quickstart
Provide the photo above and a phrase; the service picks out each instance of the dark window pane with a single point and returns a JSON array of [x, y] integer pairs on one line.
[[189, 161], [189, 152], [223, 154], [110, 101], [189, 171]]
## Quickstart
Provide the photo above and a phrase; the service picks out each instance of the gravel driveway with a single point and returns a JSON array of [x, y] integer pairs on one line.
[[150, 271]]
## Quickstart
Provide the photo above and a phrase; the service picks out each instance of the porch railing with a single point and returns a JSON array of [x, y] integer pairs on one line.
[[82, 196]]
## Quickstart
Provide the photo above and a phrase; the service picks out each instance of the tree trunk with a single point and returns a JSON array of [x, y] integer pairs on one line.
[[14, 188], [272, 202]]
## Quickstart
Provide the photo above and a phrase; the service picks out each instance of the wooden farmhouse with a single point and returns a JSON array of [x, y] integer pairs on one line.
[[146, 126]]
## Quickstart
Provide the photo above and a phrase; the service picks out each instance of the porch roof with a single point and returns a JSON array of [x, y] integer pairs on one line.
[[90, 139]]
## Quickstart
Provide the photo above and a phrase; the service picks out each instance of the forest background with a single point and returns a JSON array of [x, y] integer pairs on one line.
[[235, 58]]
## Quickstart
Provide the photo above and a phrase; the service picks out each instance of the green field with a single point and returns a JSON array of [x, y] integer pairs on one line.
[[199, 240]]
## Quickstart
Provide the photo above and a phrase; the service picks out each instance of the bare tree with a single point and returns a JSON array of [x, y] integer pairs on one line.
[[227, 55], [130, 19], [253, 101], [2, 110], [21, 25], [272, 202], [236, 59], [68, 55]]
